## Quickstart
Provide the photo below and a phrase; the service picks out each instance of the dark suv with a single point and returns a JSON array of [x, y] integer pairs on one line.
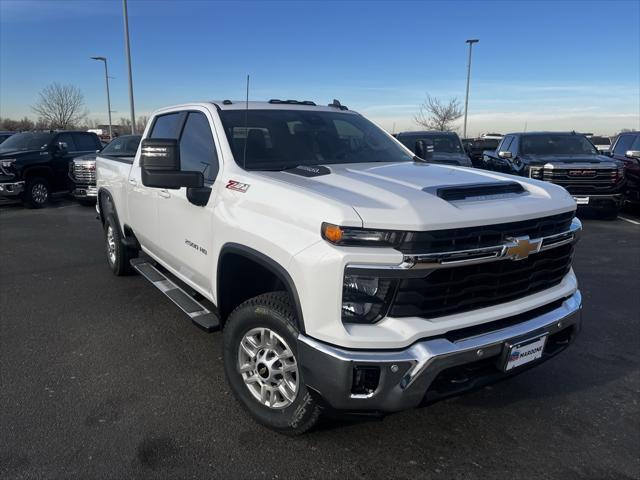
[[626, 148], [568, 159], [437, 147], [33, 165]]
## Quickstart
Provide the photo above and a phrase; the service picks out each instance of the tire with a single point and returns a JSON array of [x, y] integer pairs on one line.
[[118, 255], [271, 315], [36, 192]]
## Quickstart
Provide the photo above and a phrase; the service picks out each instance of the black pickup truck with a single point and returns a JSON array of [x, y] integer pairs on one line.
[[33, 165], [568, 159], [436, 147]]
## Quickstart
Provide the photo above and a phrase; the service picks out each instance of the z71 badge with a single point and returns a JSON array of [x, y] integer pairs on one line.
[[237, 186]]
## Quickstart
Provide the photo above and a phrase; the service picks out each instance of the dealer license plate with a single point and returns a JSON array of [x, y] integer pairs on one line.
[[524, 352], [582, 200]]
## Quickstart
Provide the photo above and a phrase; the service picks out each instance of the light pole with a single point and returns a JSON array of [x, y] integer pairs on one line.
[[128, 51], [466, 99], [106, 79]]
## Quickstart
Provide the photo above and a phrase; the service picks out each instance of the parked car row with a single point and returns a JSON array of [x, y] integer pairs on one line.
[[36, 165]]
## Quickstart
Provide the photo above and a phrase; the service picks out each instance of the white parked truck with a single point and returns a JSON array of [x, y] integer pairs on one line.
[[347, 273]]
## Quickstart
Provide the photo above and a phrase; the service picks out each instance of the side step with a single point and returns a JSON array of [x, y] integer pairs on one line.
[[199, 314]]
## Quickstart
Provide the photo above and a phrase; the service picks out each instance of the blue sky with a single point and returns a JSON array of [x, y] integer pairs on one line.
[[546, 64]]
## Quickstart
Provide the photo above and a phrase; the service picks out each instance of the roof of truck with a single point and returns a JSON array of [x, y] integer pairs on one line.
[[276, 104]]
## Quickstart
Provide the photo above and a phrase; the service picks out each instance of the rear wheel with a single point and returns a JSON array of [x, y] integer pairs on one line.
[[36, 193], [261, 366], [118, 255]]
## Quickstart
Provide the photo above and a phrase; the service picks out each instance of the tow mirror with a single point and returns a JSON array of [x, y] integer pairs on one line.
[[160, 163], [424, 149], [505, 155], [62, 148], [633, 154]]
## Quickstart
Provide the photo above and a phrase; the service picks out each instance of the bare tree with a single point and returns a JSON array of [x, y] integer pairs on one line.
[[60, 106], [436, 115], [141, 123]]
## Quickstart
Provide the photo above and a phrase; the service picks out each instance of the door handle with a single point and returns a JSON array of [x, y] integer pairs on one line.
[[164, 193], [132, 181]]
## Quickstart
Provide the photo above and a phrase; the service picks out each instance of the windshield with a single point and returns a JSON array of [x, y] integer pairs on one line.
[[556, 144], [126, 146], [441, 143], [26, 141], [281, 139]]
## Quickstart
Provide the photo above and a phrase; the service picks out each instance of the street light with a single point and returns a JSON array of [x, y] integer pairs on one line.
[[128, 51], [466, 100], [106, 78]]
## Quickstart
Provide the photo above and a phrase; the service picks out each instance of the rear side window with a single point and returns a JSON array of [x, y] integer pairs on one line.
[[197, 148], [166, 126], [85, 142]]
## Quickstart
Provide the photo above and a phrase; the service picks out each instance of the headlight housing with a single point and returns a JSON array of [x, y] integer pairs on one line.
[[365, 299], [7, 163], [536, 172], [353, 236]]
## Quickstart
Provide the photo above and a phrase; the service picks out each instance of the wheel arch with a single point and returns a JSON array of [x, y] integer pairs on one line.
[[233, 255], [38, 171]]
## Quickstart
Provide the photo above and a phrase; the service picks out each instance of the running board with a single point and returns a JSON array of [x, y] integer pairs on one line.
[[200, 315]]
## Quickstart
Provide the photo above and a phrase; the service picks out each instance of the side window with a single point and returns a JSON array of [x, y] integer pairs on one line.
[[513, 148], [623, 144], [197, 148], [84, 142], [66, 138], [166, 126], [506, 143]]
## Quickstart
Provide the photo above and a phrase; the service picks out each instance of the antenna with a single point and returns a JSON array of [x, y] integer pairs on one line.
[[246, 128]]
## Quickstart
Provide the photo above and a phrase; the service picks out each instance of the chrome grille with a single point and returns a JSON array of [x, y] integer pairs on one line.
[[84, 173]]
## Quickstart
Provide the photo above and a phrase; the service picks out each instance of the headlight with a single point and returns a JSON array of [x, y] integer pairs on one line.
[[365, 299], [536, 172], [352, 236], [7, 163]]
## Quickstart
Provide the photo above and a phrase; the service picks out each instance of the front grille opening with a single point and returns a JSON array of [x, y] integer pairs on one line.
[[448, 291], [365, 380]]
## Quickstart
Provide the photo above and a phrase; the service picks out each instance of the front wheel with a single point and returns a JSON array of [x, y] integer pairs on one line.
[[261, 365], [118, 255], [36, 193]]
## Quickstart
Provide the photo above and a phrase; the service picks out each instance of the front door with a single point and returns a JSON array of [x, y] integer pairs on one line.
[[186, 230]]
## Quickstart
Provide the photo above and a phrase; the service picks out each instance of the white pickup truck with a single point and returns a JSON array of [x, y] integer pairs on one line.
[[347, 273]]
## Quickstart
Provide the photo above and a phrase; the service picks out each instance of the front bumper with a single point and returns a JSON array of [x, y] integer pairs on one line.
[[433, 368], [601, 202], [89, 191], [11, 189]]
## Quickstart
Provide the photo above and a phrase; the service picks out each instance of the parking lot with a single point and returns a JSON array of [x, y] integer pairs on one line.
[[103, 378]]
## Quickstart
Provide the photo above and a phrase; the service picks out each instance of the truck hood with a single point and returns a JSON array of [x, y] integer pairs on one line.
[[542, 159], [404, 196]]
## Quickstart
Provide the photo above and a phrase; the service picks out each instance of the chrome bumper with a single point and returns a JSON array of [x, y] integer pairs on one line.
[[407, 376], [11, 189], [85, 192]]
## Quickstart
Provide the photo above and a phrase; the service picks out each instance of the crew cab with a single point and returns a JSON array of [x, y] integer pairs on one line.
[[82, 170], [568, 159], [626, 149], [33, 165], [436, 147], [348, 273]]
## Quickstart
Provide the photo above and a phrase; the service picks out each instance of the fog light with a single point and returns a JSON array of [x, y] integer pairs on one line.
[[365, 380]]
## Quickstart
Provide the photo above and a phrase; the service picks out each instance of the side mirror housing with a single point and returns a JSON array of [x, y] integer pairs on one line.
[[160, 164], [61, 148], [632, 154], [505, 154], [423, 150]]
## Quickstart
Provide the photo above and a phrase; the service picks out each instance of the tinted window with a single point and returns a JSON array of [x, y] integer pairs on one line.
[[68, 139], [441, 142], [166, 126], [280, 139], [85, 142], [600, 140], [126, 146], [197, 148], [557, 144], [623, 144], [27, 141], [506, 143]]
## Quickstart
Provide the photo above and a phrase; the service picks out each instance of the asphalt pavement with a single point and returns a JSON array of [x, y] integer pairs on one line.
[[102, 377]]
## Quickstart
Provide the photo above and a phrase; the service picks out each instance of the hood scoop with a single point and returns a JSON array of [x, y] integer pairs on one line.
[[475, 190]]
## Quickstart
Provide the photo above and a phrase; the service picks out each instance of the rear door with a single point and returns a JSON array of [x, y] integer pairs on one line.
[[60, 162], [142, 200], [185, 230]]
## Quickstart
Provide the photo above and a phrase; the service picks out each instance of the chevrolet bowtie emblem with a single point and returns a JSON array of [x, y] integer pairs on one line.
[[519, 248]]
